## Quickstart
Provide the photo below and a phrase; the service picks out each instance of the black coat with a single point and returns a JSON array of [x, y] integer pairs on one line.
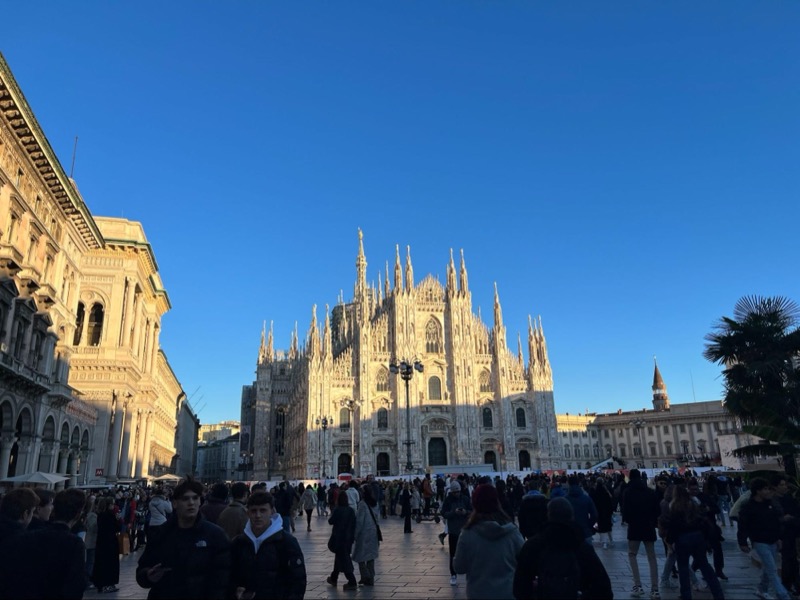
[[640, 510], [532, 514], [106, 555], [46, 563], [278, 570], [561, 537], [343, 533], [199, 558], [605, 509]]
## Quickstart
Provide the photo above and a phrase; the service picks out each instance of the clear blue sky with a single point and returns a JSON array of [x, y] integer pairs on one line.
[[627, 170]]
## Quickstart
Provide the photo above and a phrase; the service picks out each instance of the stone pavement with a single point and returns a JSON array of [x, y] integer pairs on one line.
[[416, 566]]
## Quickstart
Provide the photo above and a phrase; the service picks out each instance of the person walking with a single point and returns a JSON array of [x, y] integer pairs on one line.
[[160, 510], [687, 532], [308, 501], [90, 539], [640, 511], [455, 509], [340, 543], [556, 563], [584, 510], [604, 502], [488, 547], [367, 536], [322, 495], [405, 507], [760, 522], [105, 574], [234, 518]]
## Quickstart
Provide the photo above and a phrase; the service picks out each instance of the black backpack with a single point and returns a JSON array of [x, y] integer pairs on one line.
[[559, 575]]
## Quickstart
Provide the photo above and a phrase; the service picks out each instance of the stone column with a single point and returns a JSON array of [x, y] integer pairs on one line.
[[24, 447], [144, 325], [125, 454], [8, 326], [144, 423], [147, 437], [127, 318], [6, 444], [52, 458], [153, 350], [63, 464], [137, 329], [134, 414], [116, 437], [73, 463]]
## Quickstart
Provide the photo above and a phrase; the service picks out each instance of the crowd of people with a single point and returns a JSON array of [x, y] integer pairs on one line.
[[537, 537]]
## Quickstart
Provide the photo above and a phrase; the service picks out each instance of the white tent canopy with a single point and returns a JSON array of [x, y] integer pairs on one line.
[[168, 477], [37, 477]]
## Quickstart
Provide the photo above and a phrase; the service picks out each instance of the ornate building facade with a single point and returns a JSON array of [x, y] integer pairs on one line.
[[84, 389], [665, 436], [476, 402]]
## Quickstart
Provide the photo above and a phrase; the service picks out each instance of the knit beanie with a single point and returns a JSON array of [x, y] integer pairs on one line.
[[485, 500], [560, 510]]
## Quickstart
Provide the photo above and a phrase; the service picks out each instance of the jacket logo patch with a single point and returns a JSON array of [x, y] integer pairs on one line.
[[201, 544]]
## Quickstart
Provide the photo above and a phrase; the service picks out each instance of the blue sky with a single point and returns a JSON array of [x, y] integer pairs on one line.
[[627, 170]]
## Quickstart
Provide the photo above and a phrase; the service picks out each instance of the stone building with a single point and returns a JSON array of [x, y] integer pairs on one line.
[[476, 401], [218, 460], [665, 436], [84, 389]]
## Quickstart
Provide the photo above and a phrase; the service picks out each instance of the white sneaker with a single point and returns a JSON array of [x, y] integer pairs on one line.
[[453, 580], [637, 591], [605, 545], [700, 586]]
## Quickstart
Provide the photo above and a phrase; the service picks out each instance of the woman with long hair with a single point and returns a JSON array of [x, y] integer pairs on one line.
[[604, 501], [687, 534], [488, 547], [340, 543], [105, 575], [367, 544]]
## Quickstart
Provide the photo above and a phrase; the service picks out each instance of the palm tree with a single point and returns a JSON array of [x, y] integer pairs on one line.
[[759, 348]]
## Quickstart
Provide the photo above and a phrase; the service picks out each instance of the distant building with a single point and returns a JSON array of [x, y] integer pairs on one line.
[[219, 460], [476, 402], [666, 436], [217, 431], [185, 462]]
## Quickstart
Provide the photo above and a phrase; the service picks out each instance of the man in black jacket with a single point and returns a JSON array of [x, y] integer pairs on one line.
[[760, 520], [192, 556], [456, 508], [264, 559], [48, 562]]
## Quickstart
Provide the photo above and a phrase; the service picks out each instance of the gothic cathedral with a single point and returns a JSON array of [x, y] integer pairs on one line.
[[334, 405]]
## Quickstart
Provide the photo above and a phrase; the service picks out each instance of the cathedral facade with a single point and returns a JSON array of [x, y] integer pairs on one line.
[[334, 405]]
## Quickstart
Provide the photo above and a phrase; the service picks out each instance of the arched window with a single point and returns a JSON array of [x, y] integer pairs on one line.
[[95, 329], [524, 460], [622, 452], [485, 383], [596, 451], [433, 337], [577, 451], [521, 421], [586, 450], [667, 447], [382, 380], [81, 314], [652, 448], [434, 388], [566, 451], [383, 418], [344, 419], [280, 430], [487, 418], [490, 458]]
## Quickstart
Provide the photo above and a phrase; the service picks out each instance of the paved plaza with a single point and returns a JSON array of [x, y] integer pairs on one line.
[[416, 566]]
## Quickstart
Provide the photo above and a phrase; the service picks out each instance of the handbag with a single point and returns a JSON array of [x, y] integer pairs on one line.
[[374, 520], [124, 544]]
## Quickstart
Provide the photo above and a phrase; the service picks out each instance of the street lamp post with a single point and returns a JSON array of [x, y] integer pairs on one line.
[[323, 422], [351, 406], [405, 368], [638, 424]]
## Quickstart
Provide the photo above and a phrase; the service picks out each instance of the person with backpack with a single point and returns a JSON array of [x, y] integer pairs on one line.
[[557, 562], [640, 510]]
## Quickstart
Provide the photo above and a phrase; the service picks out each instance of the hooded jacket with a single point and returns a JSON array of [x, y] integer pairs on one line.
[[561, 537], [584, 509], [487, 553]]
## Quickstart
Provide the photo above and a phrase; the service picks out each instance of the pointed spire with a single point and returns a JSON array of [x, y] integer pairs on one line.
[[660, 396], [312, 345], [463, 283], [386, 282], [262, 349], [270, 343], [327, 337], [398, 270], [543, 343], [293, 348], [409, 270], [451, 274], [361, 269], [532, 342], [380, 288], [519, 350], [498, 311]]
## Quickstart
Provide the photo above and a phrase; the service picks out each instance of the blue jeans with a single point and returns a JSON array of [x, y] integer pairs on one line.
[[769, 570], [692, 544], [287, 523]]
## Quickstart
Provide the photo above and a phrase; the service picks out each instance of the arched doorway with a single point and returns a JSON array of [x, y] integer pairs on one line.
[[489, 458], [382, 466], [524, 459], [437, 452], [343, 465]]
